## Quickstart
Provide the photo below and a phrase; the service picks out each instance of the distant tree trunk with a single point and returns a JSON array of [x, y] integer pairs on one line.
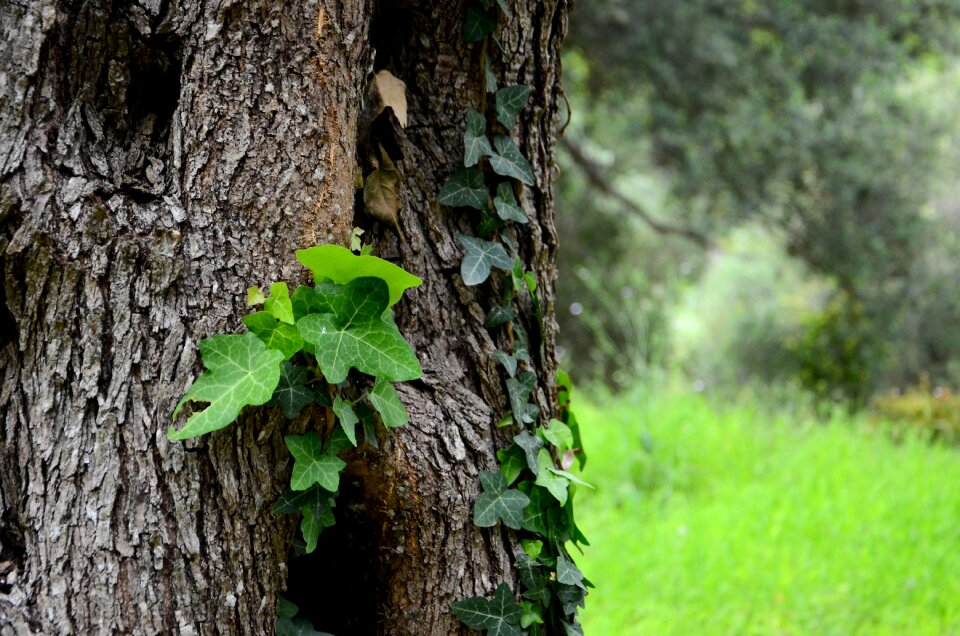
[[155, 160]]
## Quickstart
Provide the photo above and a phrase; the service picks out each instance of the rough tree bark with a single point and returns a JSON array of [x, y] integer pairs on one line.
[[156, 158]]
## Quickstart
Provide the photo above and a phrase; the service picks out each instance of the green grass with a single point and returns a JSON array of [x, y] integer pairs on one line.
[[734, 520]]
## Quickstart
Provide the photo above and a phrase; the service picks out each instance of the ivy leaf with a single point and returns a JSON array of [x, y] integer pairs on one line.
[[490, 76], [531, 446], [506, 204], [519, 390], [341, 266], [347, 418], [355, 335], [292, 501], [385, 399], [571, 597], [254, 296], [499, 316], [508, 361], [464, 189], [498, 616], [508, 162], [311, 465], [317, 515], [292, 392], [542, 515], [555, 484], [279, 303], [369, 430], [504, 8], [297, 627], [276, 335], [337, 442], [572, 629], [478, 24], [497, 502], [567, 572], [511, 100], [481, 256], [241, 371], [532, 613], [512, 462], [558, 434], [475, 142]]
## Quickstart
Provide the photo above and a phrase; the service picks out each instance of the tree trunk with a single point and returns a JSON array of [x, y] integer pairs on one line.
[[155, 160]]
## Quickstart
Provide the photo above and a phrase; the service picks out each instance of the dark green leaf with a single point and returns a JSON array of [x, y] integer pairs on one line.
[[531, 446], [506, 204], [241, 371], [509, 162], [286, 609], [512, 462], [464, 189], [519, 391], [543, 514], [481, 256], [511, 100], [475, 142], [292, 501], [499, 316], [547, 478], [292, 392], [490, 76], [478, 24], [508, 361], [567, 572], [498, 616], [347, 418], [497, 502]]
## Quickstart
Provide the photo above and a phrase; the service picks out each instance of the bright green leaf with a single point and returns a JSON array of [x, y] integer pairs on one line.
[[385, 399], [464, 189], [509, 162], [498, 616], [347, 417], [556, 484], [279, 303], [241, 371], [506, 204], [497, 502], [475, 142], [355, 335], [311, 465], [558, 434], [511, 100], [532, 613], [481, 256], [254, 296], [292, 392], [532, 547], [341, 266]]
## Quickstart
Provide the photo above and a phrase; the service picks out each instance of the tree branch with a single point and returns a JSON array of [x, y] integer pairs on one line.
[[598, 180]]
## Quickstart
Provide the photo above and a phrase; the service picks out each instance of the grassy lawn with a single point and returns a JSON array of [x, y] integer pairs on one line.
[[728, 519]]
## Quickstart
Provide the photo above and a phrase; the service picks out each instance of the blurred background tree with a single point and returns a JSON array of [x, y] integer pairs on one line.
[[762, 190]]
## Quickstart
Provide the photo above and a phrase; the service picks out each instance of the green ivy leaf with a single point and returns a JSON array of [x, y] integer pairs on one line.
[[338, 441], [505, 8], [385, 399], [571, 597], [508, 361], [464, 189], [572, 629], [369, 430], [241, 371], [490, 76], [543, 515], [506, 204], [546, 478], [519, 390], [276, 335], [481, 256], [475, 142], [511, 100], [311, 465], [347, 418], [567, 572], [316, 516], [341, 266], [498, 616], [254, 296], [292, 392], [292, 501], [279, 303], [478, 24], [512, 462], [497, 502], [297, 627], [533, 578], [558, 434], [355, 335], [509, 162], [531, 446], [499, 316], [532, 613]]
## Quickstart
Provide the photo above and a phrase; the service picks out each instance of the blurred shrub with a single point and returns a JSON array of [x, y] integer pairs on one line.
[[936, 412]]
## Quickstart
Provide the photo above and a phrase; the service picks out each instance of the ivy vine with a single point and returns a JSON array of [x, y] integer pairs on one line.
[[532, 493], [299, 350]]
